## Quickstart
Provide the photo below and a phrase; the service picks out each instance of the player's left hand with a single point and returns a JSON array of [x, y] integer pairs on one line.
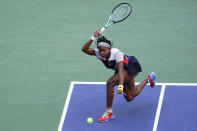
[[120, 90]]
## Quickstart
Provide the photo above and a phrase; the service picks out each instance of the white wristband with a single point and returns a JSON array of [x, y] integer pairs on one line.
[[93, 38], [120, 87]]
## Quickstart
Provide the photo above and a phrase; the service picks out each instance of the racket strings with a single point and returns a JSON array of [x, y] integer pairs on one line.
[[120, 13]]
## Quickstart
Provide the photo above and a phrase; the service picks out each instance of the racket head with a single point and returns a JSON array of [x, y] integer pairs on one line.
[[120, 12]]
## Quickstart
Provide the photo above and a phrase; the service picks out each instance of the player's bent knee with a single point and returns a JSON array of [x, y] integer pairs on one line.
[[129, 98], [110, 83]]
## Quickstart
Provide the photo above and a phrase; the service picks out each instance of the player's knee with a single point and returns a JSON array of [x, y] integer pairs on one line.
[[129, 98], [110, 83]]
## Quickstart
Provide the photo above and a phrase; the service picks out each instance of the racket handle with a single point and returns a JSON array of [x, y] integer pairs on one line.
[[102, 29]]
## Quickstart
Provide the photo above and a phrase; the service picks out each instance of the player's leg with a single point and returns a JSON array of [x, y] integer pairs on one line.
[[131, 90], [140, 86], [114, 80]]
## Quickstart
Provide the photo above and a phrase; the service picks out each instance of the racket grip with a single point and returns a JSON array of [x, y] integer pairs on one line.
[[102, 29]]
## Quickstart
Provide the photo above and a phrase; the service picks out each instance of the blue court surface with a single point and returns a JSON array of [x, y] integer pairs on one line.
[[167, 107]]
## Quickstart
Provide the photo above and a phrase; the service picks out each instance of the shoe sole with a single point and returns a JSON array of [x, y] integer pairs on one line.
[[106, 120]]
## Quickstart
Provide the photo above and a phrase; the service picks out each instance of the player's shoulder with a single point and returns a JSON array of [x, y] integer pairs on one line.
[[96, 50], [115, 50]]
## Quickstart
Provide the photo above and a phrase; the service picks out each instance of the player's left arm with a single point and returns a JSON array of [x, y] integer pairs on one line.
[[121, 75], [121, 72]]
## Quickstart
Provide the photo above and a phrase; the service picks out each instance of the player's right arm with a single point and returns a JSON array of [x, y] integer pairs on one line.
[[86, 47]]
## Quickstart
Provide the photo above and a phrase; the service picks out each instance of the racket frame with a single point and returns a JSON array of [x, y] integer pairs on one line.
[[113, 22]]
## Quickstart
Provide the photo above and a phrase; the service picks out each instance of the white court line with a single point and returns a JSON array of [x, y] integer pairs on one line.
[[66, 106], [167, 84], [159, 107], [102, 83]]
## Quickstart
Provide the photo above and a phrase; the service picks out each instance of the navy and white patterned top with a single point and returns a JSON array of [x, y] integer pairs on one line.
[[115, 56]]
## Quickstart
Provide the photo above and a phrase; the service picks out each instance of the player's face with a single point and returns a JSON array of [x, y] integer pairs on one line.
[[104, 51]]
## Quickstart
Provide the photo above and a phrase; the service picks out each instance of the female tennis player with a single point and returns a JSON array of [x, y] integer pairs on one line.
[[126, 69]]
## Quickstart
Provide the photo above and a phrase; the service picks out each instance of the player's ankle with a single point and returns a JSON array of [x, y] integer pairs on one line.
[[147, 80], [108, 109]]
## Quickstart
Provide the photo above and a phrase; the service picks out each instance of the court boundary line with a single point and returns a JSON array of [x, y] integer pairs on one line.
[[66, 106], [162, 92], [167, 84], [102, 83]]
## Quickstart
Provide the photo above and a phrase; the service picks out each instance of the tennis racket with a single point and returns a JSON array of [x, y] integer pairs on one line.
[[118, 14]]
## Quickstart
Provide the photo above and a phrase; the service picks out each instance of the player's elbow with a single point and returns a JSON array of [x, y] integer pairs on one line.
[[84, 50], [88, 51]]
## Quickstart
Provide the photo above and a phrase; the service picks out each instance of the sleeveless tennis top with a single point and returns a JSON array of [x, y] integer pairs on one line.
[[115, 56]]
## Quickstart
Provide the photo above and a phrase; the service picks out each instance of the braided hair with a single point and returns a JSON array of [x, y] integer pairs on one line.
[[103, 39]]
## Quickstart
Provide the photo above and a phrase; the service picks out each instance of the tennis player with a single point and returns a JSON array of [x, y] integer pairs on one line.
[[126, 69]]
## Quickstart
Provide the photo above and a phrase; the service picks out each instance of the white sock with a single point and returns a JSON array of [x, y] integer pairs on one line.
[[109, 110]]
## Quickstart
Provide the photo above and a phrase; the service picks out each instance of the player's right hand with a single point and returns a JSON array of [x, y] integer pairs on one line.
[[97, 33]]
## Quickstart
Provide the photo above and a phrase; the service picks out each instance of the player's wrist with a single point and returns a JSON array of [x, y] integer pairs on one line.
[[93, 38], [120, 87]]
